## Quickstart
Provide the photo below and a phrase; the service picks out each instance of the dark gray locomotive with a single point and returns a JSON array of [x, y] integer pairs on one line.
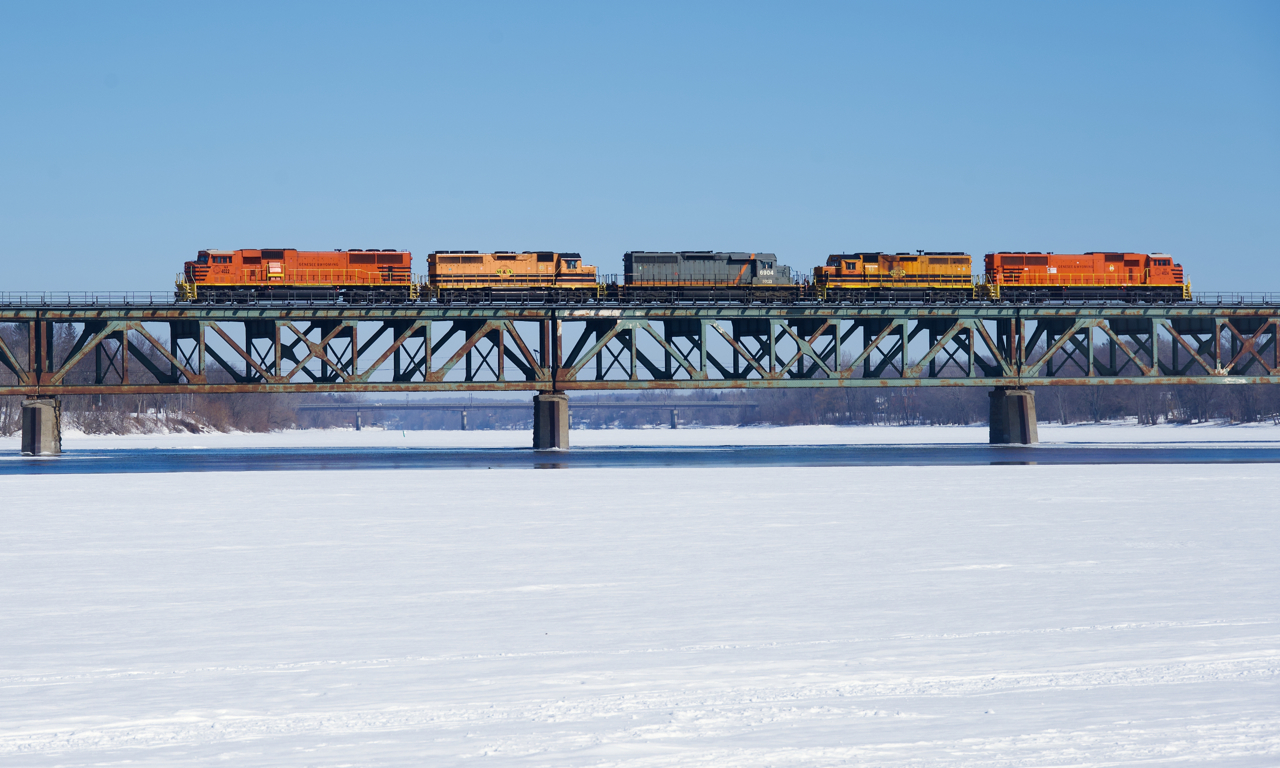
[[697, 275]]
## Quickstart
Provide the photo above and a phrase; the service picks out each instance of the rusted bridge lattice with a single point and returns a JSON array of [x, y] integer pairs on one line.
[[129, 346]]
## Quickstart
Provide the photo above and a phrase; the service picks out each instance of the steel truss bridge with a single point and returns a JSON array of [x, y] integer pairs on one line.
[[88, 348], [167, 348]]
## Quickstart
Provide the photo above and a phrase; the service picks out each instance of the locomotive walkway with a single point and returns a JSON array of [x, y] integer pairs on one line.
[[63, 344]]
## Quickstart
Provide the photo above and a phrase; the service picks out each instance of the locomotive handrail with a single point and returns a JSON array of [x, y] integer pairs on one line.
[[620, 280], [278, 297], [1020, 278], [314, 276]]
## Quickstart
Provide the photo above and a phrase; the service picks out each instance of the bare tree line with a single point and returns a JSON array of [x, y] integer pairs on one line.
[[130, 413]]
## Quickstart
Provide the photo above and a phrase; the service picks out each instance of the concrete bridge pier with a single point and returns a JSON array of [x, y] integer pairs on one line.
[[675, 419], [41, 426], [1013, 416], [551, 421]]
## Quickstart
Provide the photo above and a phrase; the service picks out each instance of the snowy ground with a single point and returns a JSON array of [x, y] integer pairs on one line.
[[978, 616], [685, 436]]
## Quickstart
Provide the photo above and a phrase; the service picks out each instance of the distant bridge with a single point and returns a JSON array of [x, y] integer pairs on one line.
[[131, 344], [674, 407]]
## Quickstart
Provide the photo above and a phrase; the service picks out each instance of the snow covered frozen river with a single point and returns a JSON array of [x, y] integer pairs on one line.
[[709, 458], [711, 448], [662, 616]]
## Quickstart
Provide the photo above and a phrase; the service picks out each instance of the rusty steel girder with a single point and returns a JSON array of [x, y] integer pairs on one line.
[[166, 348]]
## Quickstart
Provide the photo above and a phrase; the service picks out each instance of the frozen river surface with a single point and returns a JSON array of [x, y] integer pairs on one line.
[[711, 458], [706, 448], [738, 616]]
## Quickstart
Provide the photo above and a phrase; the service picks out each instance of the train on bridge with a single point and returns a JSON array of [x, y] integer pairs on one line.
[[470, 277]]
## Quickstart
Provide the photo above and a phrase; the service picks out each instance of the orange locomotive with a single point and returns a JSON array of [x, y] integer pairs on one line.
[[261, 271], [1140, 276]]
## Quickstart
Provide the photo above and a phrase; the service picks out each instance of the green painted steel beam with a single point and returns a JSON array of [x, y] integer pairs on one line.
[[564, 386]]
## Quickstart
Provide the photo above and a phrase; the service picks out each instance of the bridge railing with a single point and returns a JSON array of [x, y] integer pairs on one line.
[[277, 298], [84, 299], [1237, 299]]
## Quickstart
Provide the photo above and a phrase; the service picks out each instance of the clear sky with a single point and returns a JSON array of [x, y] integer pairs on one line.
[[134, 135]]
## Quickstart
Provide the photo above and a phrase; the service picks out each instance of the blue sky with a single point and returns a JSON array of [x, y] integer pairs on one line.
[[135, 134]]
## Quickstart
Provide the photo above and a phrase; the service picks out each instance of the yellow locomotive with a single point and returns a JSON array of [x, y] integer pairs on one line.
[[925, 275]]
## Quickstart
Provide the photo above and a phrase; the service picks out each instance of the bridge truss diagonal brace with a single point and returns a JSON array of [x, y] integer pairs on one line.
[[892, 328], [467, 347], [804, 347], [1033, 370], [248, 359], [395, 346], [109, 329], [916, 370], [676, 355], [191, 376], [1186, 346], [1249, 347], [1000, 360], [742, 351], [580, 360], [1105, 328], [527, 362], [9, 361], [316, 351]]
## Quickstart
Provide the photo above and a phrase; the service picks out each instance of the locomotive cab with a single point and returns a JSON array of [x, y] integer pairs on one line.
[[765, 270], [1163, 270], [847, 263], [570, 271]]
